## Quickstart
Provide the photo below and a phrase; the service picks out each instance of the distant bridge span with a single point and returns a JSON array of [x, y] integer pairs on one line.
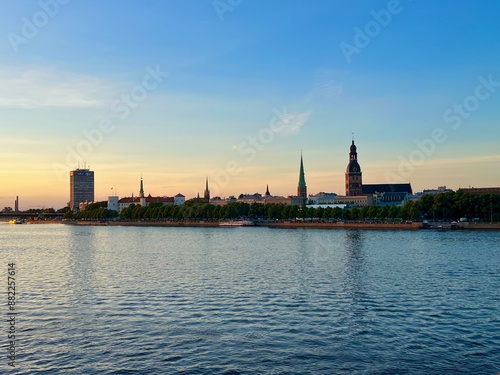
[[11, 215]]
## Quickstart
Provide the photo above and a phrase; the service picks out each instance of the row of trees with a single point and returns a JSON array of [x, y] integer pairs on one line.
[[199, 211], [444, 206], [454, 205], [96, 210]]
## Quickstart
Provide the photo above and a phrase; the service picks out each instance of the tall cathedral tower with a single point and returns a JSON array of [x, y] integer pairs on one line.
[[302, 188], [353, 175]]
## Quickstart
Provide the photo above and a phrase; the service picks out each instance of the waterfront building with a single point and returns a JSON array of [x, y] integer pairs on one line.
[[291, 200], [489, 190], [125, 202], [439, 190], [83, 205], [81, 187], [143, 200], [113, 203], [268, 198], [218, 201], [355, 200], [179, 199], [387, 188], [391, 198], [250, 198], [322, 198]]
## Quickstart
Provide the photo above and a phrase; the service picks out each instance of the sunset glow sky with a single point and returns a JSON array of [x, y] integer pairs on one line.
[[234, 90]]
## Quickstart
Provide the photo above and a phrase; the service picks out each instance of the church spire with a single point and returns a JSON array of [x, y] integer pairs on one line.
[[141, 190], [268, 194], [353, 155], [206, 195], [302, 188]]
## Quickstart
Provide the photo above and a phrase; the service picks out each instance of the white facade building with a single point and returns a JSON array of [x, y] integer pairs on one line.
[[113, 203], [179, 199]]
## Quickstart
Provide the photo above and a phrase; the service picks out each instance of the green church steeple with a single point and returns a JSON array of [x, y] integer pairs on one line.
[[302, 188]]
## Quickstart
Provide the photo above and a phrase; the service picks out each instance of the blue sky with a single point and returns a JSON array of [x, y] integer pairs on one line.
[[235, 68]]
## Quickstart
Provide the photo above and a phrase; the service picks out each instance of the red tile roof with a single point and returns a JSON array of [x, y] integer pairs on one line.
[[149, 199]]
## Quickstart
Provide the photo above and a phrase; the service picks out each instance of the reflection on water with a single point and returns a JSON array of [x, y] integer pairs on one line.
[[354, 248], [81, 254], [100, 300]]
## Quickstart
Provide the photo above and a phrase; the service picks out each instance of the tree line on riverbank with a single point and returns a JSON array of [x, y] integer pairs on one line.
[[97, 210], [444, 206]]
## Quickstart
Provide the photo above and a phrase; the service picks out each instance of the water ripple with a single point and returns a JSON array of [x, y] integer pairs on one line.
[[204, 301]]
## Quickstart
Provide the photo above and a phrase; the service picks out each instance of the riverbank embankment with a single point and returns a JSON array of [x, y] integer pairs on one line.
[[296, 225]]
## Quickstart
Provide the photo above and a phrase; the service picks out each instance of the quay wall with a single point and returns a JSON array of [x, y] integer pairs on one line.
[[345, 225], [289, 225]]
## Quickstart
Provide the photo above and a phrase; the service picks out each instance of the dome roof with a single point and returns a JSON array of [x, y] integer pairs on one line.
[[353, 167]]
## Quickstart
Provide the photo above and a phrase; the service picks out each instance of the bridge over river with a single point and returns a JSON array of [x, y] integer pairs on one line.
[[26, 215]]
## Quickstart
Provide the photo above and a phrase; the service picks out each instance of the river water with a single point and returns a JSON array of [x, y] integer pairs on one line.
[[127, 300]]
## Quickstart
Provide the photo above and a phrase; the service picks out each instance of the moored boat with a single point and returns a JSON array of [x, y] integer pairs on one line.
[[16, 221], [237, 223]]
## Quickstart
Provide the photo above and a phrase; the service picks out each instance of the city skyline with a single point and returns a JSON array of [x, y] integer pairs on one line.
[[205, 194], [181, 91]]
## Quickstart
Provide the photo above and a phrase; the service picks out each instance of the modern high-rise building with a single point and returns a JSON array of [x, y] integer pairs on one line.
[[81, 187]]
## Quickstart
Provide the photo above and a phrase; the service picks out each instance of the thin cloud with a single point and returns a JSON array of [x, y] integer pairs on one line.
[[31, 88], [327, 86], [292, 123], [468, 160], [434, 164], [23, 141]]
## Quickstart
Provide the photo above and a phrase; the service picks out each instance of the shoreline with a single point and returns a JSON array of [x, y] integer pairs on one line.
[[412, 226]]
